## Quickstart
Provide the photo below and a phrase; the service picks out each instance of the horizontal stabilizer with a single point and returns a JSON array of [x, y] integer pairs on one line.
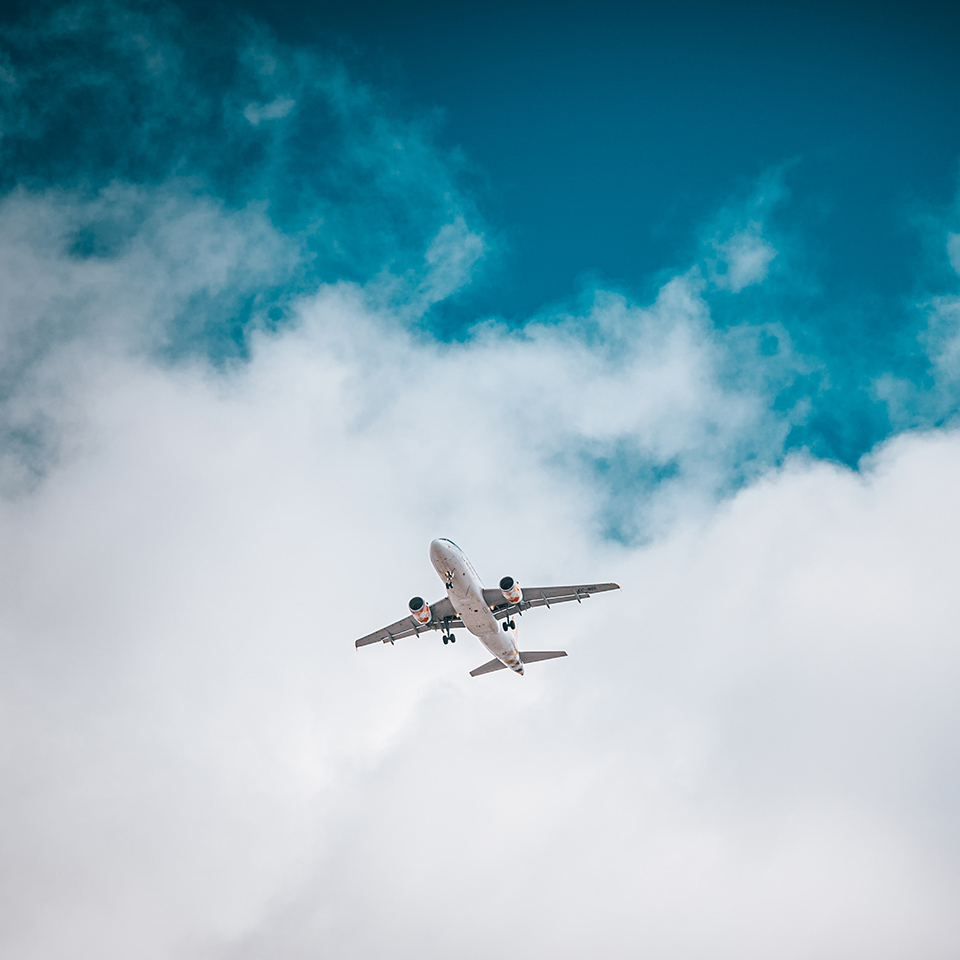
[[532, 656], [494, 664], [528, 656]]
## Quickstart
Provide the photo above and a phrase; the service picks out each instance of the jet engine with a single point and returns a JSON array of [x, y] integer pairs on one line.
[[419, 609], [511, 590]]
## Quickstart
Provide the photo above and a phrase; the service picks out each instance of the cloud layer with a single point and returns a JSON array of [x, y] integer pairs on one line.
[[748, 751]]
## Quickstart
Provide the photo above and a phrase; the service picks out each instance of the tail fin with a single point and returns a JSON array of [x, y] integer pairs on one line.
[[528, 656]]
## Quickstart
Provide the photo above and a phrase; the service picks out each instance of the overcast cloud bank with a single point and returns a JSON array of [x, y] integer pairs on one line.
[[751, 750]]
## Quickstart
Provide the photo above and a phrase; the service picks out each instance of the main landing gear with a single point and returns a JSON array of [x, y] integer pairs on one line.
[[509, 625], [449, 638]]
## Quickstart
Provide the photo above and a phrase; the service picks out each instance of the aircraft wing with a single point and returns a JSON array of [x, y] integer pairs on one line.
[[442, 615], [543, 597]]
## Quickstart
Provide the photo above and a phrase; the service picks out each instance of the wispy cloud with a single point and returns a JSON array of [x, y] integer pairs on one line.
[[737, 253], [102, 91], [256, 113], [953, 250], [742, 259], [934, 399]]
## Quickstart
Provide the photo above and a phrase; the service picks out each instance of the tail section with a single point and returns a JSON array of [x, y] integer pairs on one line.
[[528, 656]]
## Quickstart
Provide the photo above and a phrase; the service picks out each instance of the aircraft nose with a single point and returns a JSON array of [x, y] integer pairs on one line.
[[440, 553]]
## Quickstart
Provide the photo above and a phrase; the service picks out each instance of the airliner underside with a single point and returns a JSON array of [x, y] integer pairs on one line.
[[479, 610]]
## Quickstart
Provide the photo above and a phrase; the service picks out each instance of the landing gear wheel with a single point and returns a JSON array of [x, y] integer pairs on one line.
[[445, 641], [506, 625], [453, 639]]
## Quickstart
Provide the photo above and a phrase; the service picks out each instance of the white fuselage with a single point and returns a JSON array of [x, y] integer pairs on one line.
[[465, 592]]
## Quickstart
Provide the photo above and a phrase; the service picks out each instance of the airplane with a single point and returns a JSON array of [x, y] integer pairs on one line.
[[468, 604]]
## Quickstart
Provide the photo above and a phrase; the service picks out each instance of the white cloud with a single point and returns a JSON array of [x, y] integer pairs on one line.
[[450, 258], [737, 254], [149, 271], [742, 259], [748, 752], [256, 113], [953, 250], [942, 339], [910, 405]]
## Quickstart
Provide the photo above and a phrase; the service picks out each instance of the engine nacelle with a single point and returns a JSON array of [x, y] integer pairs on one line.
[[511, 590], [419, 609]]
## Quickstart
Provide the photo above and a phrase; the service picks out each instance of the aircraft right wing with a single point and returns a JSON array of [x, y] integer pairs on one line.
[[543, 597], [442, 616]]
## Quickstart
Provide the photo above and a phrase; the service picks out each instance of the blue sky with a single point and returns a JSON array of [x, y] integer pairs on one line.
[[592, 148], [663, 296], [608, 137]]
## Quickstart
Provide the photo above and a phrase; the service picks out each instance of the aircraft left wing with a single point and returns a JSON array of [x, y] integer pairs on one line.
[[543, 597], [442, 616]]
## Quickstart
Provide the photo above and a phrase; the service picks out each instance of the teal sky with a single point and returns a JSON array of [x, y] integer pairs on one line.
[[593, 147]]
